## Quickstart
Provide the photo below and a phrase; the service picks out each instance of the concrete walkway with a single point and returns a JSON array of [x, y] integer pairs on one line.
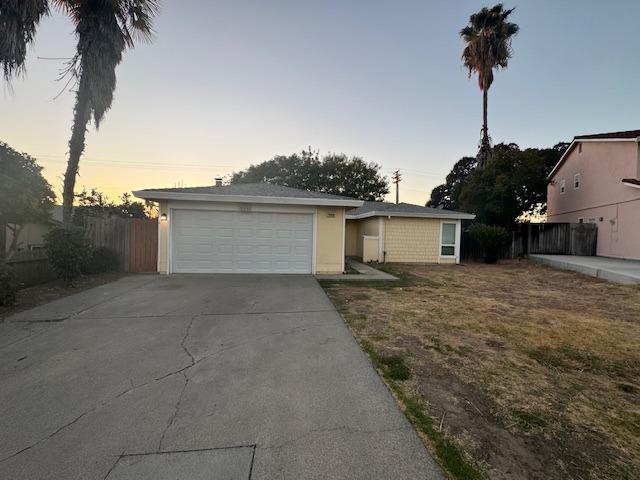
[[234, 377], [612, 269], [365, 273]]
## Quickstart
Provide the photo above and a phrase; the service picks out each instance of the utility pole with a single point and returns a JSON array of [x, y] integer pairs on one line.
[[397, 178]]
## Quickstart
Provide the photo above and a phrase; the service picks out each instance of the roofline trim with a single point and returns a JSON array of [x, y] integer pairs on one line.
[[585, 140], [630, 184], [210, 197], [454, 215]]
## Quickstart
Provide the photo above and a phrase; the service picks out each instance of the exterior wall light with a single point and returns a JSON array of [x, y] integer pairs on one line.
[[163, 217]]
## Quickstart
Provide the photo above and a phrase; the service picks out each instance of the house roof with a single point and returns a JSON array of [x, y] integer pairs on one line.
[[612, 135], [249, 193], [385, 209], [626, 136], [632, 182]]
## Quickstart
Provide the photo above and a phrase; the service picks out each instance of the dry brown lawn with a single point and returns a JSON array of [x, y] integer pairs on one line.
[[533, 372]]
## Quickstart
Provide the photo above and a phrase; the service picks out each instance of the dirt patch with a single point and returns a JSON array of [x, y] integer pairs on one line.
[[47, 292], [533, 372]]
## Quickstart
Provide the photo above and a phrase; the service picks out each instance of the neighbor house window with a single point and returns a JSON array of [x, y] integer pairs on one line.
[[448, 241], [581, 220], [563, 185], [576, 181]]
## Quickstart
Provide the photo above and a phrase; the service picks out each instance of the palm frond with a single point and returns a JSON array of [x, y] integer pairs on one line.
[[18, 22]]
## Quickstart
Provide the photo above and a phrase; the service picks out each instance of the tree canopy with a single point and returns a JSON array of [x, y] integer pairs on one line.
[[337, 174], [512, 184], [94, 203], [25, 196]]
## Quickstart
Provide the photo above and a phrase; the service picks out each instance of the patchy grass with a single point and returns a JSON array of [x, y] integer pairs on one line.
[[532, 372]]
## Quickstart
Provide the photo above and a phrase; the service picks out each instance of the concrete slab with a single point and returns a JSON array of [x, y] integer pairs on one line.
[[224, 463], [365, 272], [197, 363], [612, 269]]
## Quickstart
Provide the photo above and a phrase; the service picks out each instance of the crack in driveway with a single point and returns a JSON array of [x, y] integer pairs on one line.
[[181, 371]]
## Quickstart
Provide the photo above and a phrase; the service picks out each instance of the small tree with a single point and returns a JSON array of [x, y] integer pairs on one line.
[[68, 251], [491, 238], [25, 196]]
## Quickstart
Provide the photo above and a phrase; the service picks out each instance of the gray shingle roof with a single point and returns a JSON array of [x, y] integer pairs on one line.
[[596, 136], [403, 209], [251, 189]]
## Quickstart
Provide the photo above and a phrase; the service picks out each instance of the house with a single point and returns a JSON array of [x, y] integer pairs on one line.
[[31, 235], [404, 233], [263, 228], [249, 228], [597, 180]]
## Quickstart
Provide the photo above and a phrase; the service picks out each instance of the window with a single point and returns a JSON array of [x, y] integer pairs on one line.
[[576, 181], [448, 240], [563, 184], [580, 147], [581, 220]]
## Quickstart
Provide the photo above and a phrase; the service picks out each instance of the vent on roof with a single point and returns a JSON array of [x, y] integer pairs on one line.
[[218, 181]]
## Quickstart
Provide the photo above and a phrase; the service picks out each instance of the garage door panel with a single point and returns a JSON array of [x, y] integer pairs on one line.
[[241, 242]]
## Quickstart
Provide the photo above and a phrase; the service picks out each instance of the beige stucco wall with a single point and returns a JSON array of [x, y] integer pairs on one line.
[[330, 240], [602, 198], [351, 238], [163, 239], [370, 249], [329, 253], [412, 239]]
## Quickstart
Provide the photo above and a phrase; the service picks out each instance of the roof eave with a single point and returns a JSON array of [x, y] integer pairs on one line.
[[583, 140], [209, 197], [450, 215]]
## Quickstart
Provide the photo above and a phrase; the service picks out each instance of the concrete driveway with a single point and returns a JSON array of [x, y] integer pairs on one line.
[[196, 377]]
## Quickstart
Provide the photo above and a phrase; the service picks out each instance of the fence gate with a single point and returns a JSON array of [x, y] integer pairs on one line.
[[143, 245], [135, 240]]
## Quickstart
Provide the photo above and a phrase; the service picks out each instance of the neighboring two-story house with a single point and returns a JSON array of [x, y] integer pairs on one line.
[[597, 180]]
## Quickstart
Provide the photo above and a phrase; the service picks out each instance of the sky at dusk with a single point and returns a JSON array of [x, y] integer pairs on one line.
[[226, 84]]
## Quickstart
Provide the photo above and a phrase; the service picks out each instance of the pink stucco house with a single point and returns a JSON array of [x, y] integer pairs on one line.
[[597, 180]]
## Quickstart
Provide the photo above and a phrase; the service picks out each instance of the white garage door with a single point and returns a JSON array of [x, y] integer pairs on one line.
[[238, 242]]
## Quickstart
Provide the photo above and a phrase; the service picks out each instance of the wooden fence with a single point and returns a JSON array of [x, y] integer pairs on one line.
[[541, 238], [31, 267], [135, 240]]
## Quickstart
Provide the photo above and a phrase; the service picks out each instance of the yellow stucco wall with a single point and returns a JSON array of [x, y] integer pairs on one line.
[[351, 238], [329, 240], [412, 239], [163, 239]]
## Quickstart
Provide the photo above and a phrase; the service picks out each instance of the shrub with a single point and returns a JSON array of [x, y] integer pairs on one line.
[[68, 251], [101, 260], [8, 284], [491, 239]]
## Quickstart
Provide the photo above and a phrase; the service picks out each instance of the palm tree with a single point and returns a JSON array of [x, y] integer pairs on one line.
[[104, 29], [488, 45]]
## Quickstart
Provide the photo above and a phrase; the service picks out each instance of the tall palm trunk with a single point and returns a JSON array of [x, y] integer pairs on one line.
[[485, 126], [484, 152], [81, 117]]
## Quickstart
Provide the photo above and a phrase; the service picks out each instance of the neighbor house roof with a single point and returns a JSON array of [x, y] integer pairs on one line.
[[249, 193], [632, 182], [384, 209], [626, 136]]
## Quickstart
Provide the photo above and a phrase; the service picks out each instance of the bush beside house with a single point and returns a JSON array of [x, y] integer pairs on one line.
[[491, 238]]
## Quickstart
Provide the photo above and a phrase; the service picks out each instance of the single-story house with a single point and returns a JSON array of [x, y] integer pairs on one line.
[[264, 228], [404, 233]]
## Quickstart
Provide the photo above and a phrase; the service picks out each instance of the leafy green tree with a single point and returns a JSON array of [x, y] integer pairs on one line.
[[513, 183], [447, 194], [337, 174], [104, 29], [94, 203], [488, 46], [25, 196]]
